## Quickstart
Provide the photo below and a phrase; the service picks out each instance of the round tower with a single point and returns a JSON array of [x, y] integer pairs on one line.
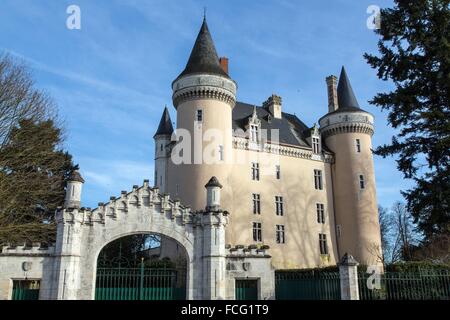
[[73, 191], [162, 139], [347, 131], [204, 96]]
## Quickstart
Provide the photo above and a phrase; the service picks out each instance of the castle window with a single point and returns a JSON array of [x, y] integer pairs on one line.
[[278, 172], [156, 178], [254, 133], [320, 213], [221, 154], [256, 203], [358, 145], [199, 116], [255, 171], [316, 145], [338, 230], [279, 206], [161, 147], [257, 231], [323, 243], [280, 234], [318, 180], [362, 183]]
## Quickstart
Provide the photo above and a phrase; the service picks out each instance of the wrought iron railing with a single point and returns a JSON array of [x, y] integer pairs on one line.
[[307, 286], [140, 284], [423, 285]]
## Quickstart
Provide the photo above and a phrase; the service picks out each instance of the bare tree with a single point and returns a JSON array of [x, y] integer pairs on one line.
[[385, 221], [19, 99], [405, 234]]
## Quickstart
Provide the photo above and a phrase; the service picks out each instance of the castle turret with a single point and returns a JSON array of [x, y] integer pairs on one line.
[[162, 139], [204, 96], [347, 131], [73, 190]]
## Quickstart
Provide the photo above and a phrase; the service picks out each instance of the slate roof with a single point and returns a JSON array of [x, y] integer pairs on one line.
[[204, 58], [213, 182], [165, 124], [346, 97], [292, 131], [76, 176]]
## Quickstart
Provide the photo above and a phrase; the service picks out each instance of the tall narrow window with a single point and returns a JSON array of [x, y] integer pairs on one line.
[[254, 133], [256, 203], [280, 234], [199, 116], [257, 231], [320, 213], [358, 145], [255, 171], [278, 172], [316, 145], [156, 178], [362, 183], [323, 243], [338, 230], [318, 180], [221, 154], [279, 205]]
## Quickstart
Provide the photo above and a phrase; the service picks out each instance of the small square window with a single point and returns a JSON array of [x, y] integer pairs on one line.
[[199, 116], [358, 146], [362, 183]]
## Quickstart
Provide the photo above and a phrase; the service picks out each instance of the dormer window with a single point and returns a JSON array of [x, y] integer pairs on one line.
[[316, 145], [253, 127], [254, 132]]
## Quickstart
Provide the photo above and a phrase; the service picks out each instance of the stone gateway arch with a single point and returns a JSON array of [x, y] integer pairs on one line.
[[67, 270]]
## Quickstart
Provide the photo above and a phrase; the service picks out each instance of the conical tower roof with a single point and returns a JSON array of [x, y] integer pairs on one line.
[[346, 96], [204, 58], [165, 124], [76, 176]]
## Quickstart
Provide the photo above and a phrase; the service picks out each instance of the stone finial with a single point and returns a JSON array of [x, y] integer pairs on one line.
[[213, 182], [348, 260]]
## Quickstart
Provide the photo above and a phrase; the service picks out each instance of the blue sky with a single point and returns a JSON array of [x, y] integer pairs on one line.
[[112, 78]]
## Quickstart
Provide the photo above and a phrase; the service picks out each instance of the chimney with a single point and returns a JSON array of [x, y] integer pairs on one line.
[[224, 63], [332, 93], [273, 105]]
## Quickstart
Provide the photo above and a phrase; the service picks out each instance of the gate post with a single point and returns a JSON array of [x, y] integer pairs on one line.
[[68, 241], [348, 271], [68, 251], [214, 220]]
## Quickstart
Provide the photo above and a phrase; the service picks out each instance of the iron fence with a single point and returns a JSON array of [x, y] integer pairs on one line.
[[307, 286], [423, 285]]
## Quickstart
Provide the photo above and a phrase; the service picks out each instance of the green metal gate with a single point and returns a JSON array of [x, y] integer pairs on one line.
[[25, 290], [246, 289], [423, 285], [140, 284], [297, 285]]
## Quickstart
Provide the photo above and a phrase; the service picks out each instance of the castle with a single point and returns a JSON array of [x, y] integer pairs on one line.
[[307, 192], [243, 191]]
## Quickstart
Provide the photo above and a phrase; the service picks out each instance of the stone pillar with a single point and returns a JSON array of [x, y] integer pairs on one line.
[[214, 221], [348, 271], [67, 254]]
